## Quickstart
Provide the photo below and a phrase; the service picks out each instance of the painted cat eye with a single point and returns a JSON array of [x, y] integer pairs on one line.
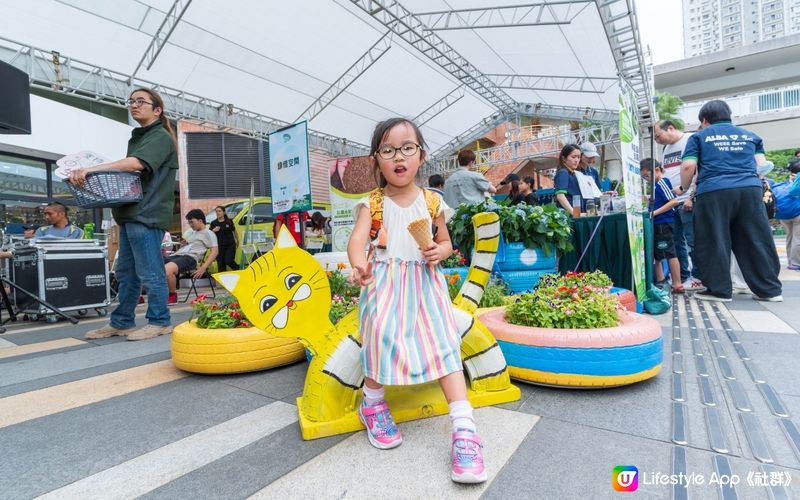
[[267, 302], [291, 280]]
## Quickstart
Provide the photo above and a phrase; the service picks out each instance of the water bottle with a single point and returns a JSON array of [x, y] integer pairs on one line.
[[88, 231]]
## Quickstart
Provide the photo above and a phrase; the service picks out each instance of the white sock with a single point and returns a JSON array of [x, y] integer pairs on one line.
[[461, 415], [373, 396]]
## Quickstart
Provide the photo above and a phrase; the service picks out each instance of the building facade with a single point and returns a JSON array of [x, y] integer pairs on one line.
[[713, 25]]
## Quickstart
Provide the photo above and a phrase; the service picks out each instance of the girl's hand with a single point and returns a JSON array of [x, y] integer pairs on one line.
[[434, 254], [362, 275]]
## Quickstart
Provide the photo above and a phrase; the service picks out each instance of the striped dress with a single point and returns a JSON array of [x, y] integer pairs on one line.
[[408, 329]]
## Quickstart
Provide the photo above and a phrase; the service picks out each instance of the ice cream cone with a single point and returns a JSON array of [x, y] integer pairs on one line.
[[420, 229]]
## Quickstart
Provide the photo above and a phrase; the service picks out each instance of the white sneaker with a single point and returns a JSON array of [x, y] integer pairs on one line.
[[741, 290], [693, 285], [714, 298], [777, 298]]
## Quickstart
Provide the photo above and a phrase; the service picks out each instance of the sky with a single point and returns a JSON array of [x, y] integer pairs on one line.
[[654, 16]]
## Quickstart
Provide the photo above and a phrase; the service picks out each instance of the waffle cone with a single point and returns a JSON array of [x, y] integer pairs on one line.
[[420, 229]]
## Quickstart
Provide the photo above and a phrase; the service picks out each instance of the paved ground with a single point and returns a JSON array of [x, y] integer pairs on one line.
[[114, 419]]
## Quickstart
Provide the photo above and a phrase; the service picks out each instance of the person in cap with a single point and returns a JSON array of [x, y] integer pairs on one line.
[[589, 156]]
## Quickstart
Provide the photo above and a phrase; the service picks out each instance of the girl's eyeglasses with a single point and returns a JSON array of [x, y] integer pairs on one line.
[[387, 152]]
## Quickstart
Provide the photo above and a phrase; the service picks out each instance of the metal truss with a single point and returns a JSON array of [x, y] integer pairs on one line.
[[440, 105], [163, 33], [52, 71], [542, 13], [597, 85], [620, 24], [406, 25], [524, 146], [358, 68]]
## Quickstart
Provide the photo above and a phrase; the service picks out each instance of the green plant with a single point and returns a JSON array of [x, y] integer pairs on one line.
[[667, 106], [456, 259], [576, 300], [780, 157], [344, 295], [214, 314], [494, 294], [340, 285], [534, 226]]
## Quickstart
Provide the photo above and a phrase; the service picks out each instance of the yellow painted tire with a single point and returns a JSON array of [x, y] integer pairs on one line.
[[233, 350]]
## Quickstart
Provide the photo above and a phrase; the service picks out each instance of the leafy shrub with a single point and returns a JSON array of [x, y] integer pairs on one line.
[[535, 226], [576, 300]]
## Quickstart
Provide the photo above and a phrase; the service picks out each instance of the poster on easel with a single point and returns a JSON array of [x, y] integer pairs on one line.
[[630, 147], [290, 181], [351, 178]]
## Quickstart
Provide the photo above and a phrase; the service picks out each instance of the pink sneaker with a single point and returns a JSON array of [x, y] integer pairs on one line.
[[467, 457], [381, 429]]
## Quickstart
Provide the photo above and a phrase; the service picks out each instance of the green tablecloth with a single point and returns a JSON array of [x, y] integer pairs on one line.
[[609, 251]]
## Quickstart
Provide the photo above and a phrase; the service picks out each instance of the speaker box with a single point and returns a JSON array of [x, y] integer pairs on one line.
[[15, 101]]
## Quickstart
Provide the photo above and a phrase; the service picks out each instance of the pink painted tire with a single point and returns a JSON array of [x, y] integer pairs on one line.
[[626, 298], [580, 358]]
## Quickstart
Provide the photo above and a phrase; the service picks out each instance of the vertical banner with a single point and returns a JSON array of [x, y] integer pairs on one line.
[[350, 180], [630, 148], [289, 169]]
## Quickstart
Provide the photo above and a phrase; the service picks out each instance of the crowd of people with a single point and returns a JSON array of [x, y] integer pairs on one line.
[[710, 219]]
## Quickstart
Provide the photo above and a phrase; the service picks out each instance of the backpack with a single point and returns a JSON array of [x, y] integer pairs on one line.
[[377, 235], [769, 199]]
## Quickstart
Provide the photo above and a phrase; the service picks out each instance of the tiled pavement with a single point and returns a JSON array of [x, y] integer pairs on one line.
[[114, 419]]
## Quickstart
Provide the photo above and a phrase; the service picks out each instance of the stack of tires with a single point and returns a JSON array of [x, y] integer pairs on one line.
[[522, 267]]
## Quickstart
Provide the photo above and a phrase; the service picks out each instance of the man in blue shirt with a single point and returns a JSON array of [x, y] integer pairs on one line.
[[729, 211], [56, 215]]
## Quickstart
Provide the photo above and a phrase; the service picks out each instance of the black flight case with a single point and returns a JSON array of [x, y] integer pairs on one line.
[[69, 274]]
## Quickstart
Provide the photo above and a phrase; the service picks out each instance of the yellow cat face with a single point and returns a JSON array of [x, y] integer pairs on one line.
[[284, 292]]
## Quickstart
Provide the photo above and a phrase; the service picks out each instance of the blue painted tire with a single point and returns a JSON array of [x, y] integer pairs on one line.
[[580, 358]]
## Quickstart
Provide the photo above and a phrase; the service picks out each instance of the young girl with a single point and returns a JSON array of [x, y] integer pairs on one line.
[[408, 330]]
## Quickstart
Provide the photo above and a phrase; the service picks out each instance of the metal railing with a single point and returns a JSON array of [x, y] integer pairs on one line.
[[530, 142]]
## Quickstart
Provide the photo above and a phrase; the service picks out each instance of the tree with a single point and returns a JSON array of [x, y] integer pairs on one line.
[[667, 106], [781, 158]]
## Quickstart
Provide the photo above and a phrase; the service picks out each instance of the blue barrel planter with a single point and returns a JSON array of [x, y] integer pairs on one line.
[[522, 267], [513, 256], [460, 271], [523, 281]]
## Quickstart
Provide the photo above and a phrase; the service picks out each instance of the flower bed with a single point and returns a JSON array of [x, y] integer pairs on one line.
[[572, 332]]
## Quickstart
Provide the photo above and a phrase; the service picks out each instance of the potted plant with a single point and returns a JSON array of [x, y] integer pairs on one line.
[[531, 238], [219, 339], [344, 295], [572, 332]]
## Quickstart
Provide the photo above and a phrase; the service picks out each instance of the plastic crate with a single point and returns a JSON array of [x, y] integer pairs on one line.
[[108, 189]]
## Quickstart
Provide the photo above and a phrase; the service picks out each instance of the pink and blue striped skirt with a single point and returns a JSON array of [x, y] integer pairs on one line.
[[408, 330]]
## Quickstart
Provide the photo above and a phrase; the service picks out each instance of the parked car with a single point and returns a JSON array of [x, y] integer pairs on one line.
[[260, 237]]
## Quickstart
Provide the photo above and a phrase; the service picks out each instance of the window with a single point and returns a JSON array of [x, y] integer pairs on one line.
[[221, 165]]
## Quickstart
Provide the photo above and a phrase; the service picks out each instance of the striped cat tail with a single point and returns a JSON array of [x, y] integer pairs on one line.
[[487, 239]]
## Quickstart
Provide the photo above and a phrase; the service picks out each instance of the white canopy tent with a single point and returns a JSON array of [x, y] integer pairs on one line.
[[344, 64]]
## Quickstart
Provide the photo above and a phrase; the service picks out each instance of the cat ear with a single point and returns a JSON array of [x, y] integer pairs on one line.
[[228, 280], [285, 239]]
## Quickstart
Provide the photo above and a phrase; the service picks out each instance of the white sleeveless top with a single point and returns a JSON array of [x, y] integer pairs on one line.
[[400, 244]]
